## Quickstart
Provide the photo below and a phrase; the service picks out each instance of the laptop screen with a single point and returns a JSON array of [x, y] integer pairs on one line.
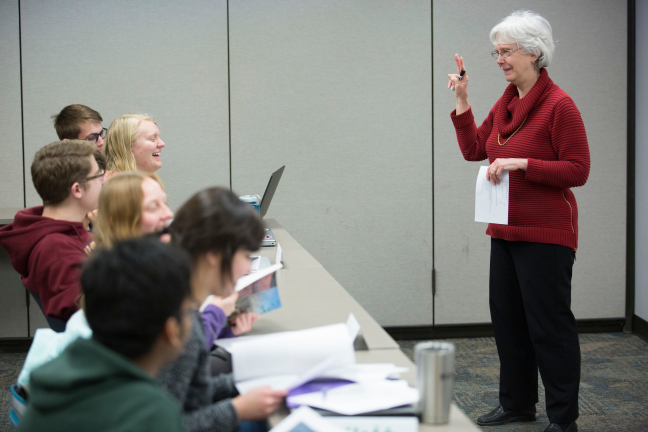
[[270, 190]]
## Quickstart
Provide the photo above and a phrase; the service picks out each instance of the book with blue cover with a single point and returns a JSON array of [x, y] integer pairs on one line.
[[258, 291]]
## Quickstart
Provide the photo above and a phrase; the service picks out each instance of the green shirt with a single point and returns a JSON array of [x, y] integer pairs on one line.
[[92, 388]]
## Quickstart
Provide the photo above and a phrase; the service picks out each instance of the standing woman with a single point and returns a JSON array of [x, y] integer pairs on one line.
[[536, 132], [133, 143]]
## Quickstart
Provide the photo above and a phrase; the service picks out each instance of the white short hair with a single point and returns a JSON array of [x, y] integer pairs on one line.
[[530, 31]]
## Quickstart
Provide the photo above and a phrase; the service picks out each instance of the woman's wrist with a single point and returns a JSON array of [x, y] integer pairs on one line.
[[462, 106]]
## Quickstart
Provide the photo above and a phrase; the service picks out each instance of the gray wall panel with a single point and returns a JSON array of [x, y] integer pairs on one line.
[[340, 92], [11, 172], [462, 248], [641, 161], [13, 309], [164, 58]]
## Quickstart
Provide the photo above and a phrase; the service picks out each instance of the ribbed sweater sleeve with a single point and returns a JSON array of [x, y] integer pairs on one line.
[[472, 140], [569, 141]]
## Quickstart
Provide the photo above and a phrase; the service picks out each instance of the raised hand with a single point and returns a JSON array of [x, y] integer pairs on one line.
[[460, 86]]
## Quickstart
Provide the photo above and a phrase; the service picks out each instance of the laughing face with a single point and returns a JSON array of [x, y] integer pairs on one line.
[[518, 66], [155, 210], [147, 148]]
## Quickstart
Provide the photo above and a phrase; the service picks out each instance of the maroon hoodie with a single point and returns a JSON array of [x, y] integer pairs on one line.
[[48, 254]]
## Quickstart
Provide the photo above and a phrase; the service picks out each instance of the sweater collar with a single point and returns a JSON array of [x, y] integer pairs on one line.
[[512, 110]]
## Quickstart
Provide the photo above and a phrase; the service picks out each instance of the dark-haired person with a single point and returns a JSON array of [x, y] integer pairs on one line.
[[137, 302], [219, 232], [80, 122], [47, 244]]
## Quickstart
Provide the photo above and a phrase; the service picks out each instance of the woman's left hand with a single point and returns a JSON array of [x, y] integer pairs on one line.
[[494, 172], [242, 323]]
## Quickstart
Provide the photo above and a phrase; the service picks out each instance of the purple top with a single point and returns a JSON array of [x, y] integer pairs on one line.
[[214, 320]]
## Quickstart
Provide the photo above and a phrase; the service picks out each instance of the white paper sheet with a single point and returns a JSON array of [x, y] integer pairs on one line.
[[249, 279], [364, 372], [304, 418], [491, 201], [356, 399], [290, 354], [375, 424], [279, 256]]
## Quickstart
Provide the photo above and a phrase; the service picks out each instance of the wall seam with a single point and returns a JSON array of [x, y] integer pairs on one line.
[[432, 167], [630, 187], [22, 106], [229, 100]]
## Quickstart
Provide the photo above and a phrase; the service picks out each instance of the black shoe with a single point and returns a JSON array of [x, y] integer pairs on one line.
[[499, 416], [553, 427]]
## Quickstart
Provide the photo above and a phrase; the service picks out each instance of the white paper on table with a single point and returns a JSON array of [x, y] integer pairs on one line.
[[291, 353], [255, 264], [304, 416], [376, 424], [491, 201], [364, 372], [290, 381], [279, 256], [326, 369], [361, 398]]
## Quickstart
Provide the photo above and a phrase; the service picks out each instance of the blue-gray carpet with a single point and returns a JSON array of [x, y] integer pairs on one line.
[[613, 391]]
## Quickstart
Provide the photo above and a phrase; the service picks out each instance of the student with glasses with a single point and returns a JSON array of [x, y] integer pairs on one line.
[[536, 133], [80, 122], [48, 243]]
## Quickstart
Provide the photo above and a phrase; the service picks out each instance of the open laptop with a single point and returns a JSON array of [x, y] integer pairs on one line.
[[268, 237]]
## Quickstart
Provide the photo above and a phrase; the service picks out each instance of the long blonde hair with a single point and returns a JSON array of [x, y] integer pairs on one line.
[[118, 148], [120, 208]]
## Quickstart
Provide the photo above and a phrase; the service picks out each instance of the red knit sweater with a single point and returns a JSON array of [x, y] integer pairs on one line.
[[542, 208]]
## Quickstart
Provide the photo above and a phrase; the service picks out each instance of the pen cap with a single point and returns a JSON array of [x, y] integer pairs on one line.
[[435, 372]]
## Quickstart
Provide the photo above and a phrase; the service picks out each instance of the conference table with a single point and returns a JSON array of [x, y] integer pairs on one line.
[[311, 297]]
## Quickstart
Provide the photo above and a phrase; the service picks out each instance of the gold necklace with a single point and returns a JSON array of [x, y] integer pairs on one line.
[[498, 140]]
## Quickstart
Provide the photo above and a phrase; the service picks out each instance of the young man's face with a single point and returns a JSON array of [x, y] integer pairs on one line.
[[90, 131], [92, 187]]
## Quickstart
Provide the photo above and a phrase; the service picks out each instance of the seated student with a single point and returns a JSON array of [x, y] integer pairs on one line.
[[133, 143], [80, 122], [132, 204], [137, 302], [47, 244], [219, 231]]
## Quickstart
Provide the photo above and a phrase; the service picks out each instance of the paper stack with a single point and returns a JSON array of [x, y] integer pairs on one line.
[[324, 358]]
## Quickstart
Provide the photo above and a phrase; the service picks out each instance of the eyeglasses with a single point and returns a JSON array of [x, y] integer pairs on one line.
[[100, 175], [504, 54], [95, 137]]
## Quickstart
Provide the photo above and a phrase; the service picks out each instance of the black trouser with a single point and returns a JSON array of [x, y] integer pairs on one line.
[[530, 301]]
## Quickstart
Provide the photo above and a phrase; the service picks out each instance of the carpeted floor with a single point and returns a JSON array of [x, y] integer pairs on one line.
[[613, 396], [613, 391]]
